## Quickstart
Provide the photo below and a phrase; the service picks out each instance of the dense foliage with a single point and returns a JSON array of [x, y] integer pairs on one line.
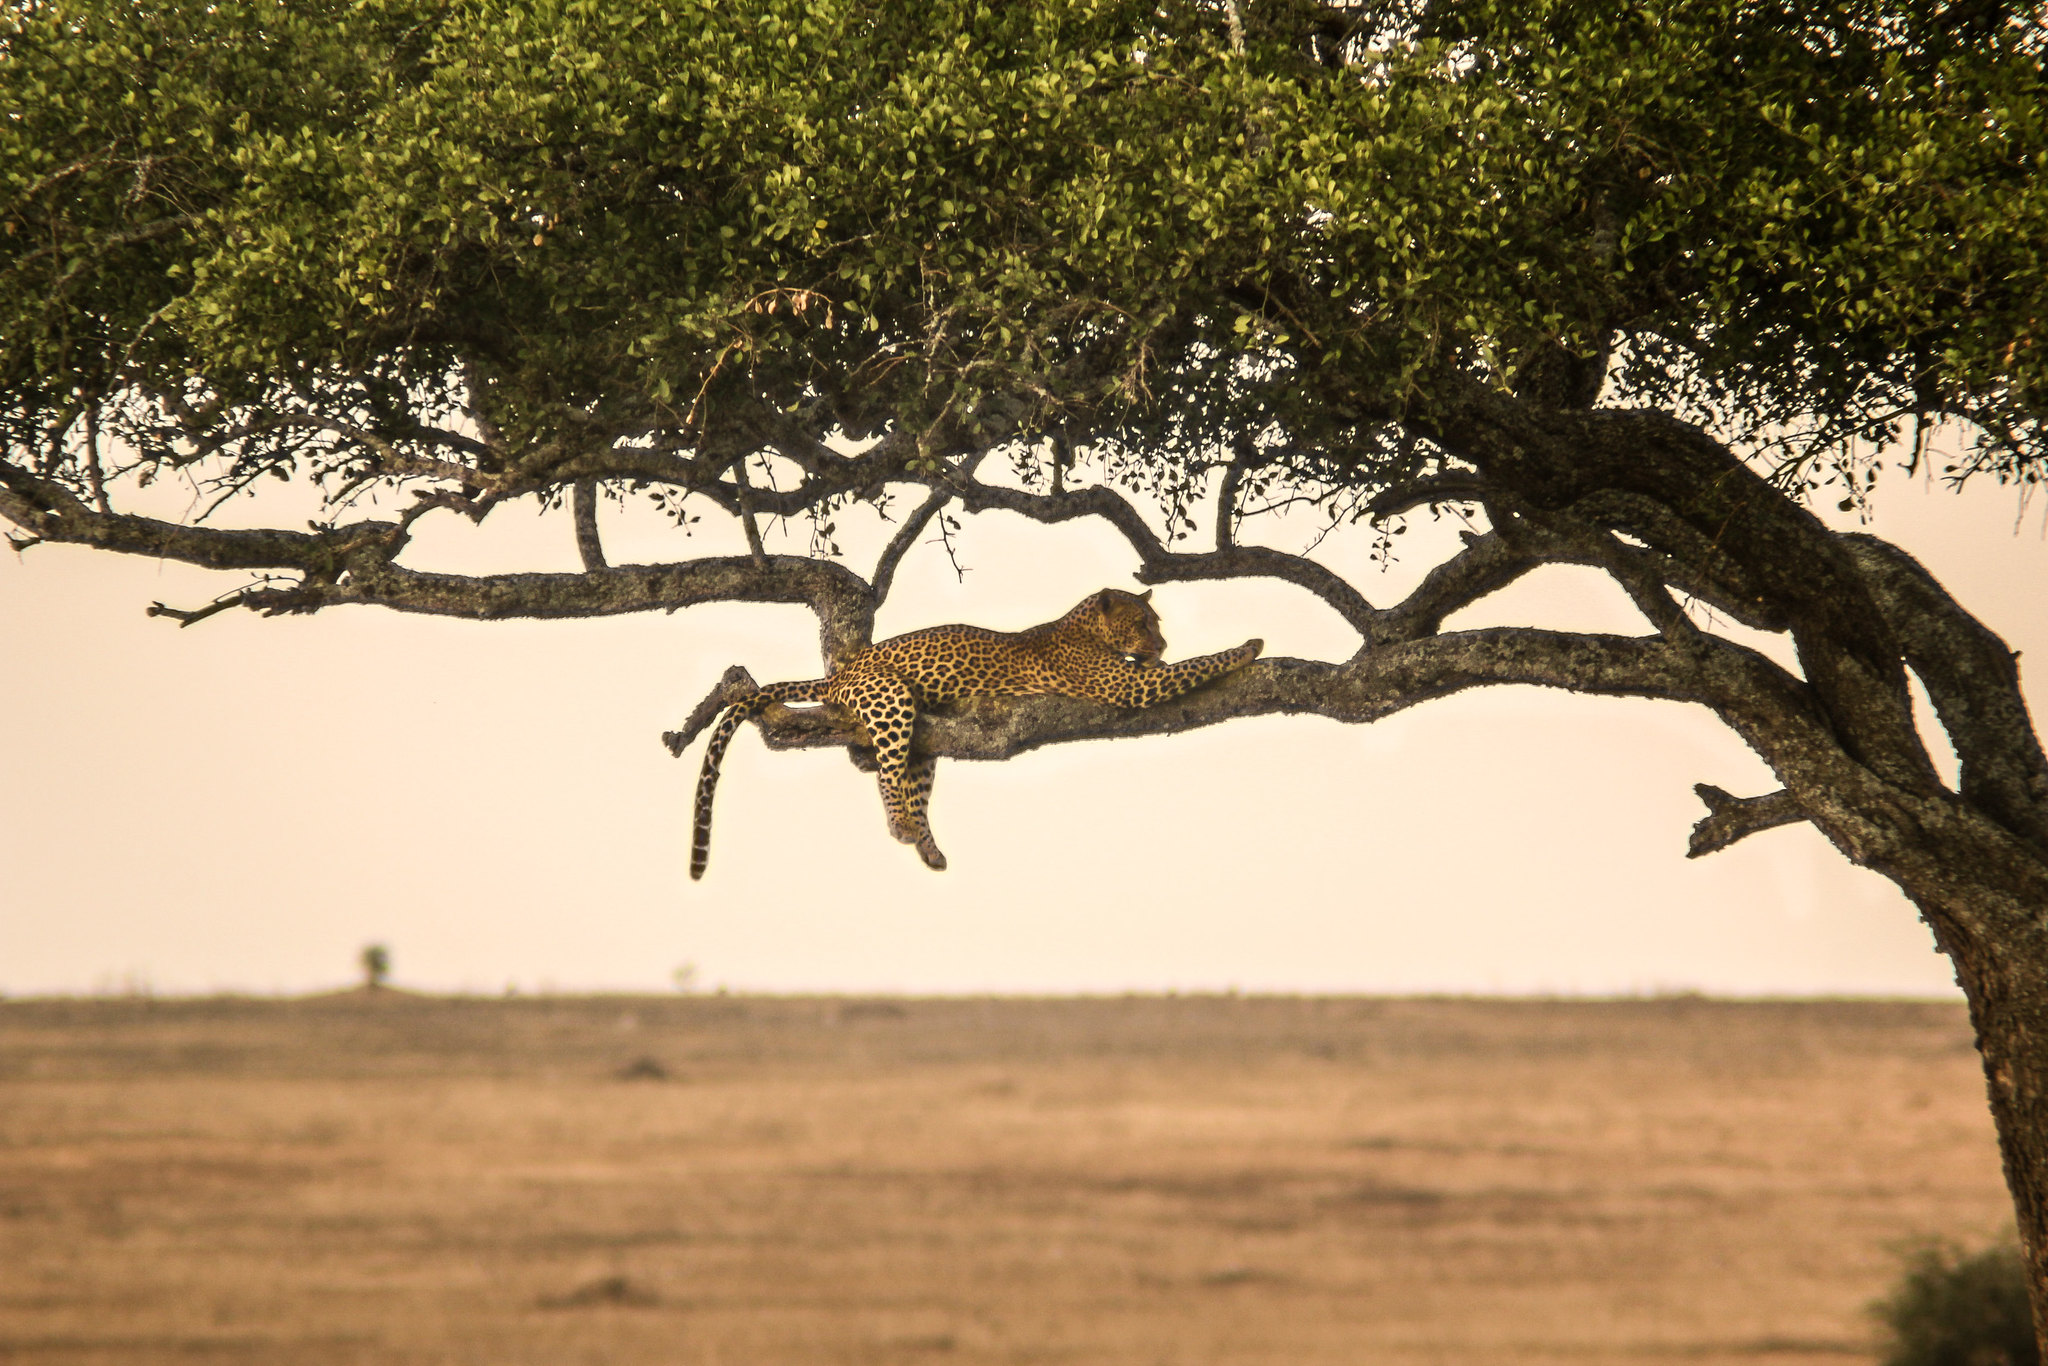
[[1957, 1308], [301, 239]]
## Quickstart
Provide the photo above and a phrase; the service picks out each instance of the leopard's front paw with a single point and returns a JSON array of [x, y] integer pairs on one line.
[[933, 858]]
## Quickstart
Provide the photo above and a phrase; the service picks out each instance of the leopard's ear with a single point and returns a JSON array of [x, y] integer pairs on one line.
[[1105, 600], [1145, 596]]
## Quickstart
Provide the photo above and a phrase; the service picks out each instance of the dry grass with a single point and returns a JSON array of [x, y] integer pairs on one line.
[[391, 1179]]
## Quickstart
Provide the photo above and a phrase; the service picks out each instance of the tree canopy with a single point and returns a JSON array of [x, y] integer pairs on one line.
[[485, 250]]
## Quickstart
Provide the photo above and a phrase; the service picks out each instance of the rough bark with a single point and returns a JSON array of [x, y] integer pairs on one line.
[[583, 507]]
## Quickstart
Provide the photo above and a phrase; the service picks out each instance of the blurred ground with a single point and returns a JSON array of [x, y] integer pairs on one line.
[[389, 1179]]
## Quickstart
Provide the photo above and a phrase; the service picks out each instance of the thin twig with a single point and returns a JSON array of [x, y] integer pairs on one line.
[[93, 474], [906, 536], [748, 524]]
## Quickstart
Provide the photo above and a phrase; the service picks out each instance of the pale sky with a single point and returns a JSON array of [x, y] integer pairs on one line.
[[244, 804]]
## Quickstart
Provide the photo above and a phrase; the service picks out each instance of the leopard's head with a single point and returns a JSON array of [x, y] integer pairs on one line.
[[1128, 625]]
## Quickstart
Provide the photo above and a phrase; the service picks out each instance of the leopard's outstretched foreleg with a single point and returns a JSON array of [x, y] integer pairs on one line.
[[1125, 684]]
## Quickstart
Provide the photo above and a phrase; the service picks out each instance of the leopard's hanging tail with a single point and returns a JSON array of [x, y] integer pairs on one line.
[[738, 713]]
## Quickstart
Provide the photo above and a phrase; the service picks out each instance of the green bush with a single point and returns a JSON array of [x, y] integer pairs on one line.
[[1952, 1308]]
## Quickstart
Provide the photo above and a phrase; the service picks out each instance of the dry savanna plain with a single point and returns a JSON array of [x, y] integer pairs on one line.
[[376, 1177]]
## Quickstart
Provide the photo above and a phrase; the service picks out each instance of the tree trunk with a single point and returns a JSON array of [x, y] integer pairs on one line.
[[1842, 738], [2005, 979]]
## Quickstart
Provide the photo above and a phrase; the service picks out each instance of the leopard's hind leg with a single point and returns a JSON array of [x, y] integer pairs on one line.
[[917, 797], [887, 708]]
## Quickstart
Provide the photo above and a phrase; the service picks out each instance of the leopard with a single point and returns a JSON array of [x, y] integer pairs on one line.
[[1107, 649]]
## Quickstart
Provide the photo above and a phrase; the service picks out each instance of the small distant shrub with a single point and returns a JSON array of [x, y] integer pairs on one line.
[[603, 1291], [376, 965], [643, 1069], [1952, 1308]]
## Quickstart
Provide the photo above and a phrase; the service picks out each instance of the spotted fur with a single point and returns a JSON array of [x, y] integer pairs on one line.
[[1107, 649]]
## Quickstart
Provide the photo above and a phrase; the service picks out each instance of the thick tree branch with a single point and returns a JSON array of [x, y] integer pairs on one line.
[[1448, 488], [837, 595], [782, 727], [1157, 564], [1685, 558], [1973, 681], [1066, 506], [51, 512], [1792, 568], [1487, 564], [1730, 818], [1371, 686], [1640, 572], [355, 564], [732, 685], [1259, 562]]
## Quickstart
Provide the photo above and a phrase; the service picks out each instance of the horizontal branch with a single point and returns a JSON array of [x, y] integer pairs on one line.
[[51, 512], [1366, 688], [355, 565]]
